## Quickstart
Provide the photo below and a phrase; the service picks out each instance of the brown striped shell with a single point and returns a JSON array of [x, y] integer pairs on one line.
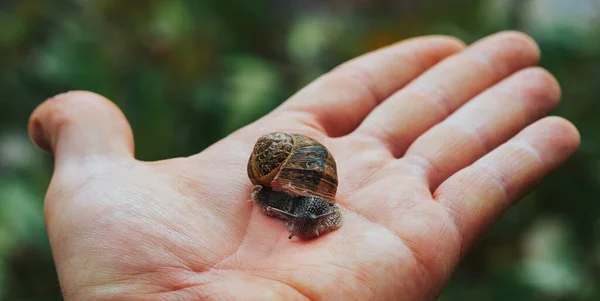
[[294, 164]]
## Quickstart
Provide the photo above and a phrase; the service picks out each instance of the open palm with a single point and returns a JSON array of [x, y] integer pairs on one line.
[[433, 142]]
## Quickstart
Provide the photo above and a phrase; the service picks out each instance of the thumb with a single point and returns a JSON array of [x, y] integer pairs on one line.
[[79, 123]]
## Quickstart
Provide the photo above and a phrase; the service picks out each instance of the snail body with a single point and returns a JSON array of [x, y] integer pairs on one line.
[[305, 216], [295, 180]]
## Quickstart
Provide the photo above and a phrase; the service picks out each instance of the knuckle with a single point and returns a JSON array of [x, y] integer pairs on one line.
[[359, 78]]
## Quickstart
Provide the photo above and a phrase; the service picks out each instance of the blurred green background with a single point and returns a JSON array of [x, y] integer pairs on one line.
[[187, 73]]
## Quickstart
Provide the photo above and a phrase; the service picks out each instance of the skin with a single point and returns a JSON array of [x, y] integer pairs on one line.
[[434, 141]]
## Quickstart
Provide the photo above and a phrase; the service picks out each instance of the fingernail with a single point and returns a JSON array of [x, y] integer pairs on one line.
[[38, 136]]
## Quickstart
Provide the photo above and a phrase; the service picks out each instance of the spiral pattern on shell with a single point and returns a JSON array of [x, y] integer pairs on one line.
[[295, 164]]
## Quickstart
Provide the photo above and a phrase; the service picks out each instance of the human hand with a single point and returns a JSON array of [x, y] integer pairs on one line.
[[433, 142]]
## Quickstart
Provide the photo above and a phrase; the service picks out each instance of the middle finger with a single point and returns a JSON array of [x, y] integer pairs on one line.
[[485, 122], [429, 99]]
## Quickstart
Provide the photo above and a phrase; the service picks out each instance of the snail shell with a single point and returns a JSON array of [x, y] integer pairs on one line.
[[295, 164]]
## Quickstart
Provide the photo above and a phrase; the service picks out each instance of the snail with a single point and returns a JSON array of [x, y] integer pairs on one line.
[[305, 216], [295, 180]]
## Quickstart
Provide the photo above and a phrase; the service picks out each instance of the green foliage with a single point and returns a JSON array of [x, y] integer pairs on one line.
[[187, 73]]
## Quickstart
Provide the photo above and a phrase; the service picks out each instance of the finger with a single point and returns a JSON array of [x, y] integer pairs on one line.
[[485, 122], [430, 98], [341, 99], [477, 196], [77, 124]]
